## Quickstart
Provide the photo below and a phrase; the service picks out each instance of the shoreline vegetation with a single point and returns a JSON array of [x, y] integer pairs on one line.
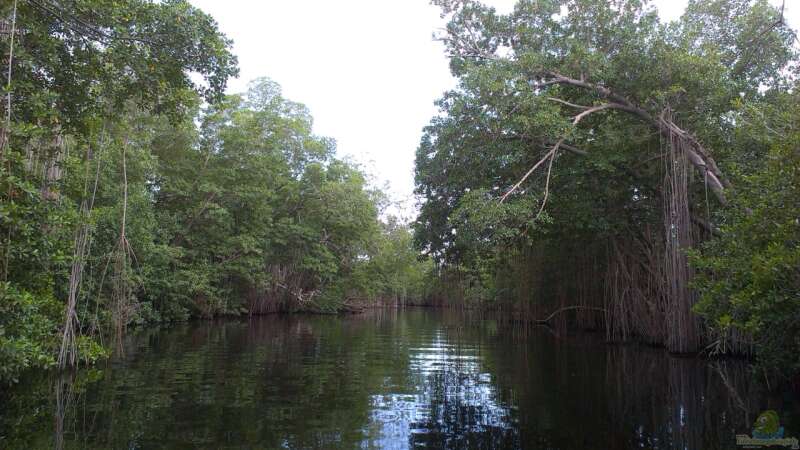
[[244, 382], [594, 168]]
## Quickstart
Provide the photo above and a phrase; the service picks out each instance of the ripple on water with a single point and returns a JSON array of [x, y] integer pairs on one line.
[[389, 380], [447, 383]]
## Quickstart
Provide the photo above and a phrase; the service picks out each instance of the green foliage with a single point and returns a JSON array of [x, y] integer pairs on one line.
[[500, 121], [749, 276], [722, 73], [482, 222], [75, 61], [257, 192], [28, 326], [249, 208], [193, 203], [393, 270]]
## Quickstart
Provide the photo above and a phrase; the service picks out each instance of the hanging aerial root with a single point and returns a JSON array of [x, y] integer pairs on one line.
[[683, 327]]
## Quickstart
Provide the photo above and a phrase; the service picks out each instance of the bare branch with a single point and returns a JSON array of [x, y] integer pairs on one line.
[[569, 308], [697, 154], [547, 182], [595, 109], [83, 28], [573, 149], [552, 155], [532, 169], [563, 102]]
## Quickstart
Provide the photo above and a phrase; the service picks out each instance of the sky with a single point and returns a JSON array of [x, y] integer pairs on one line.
[[369, 70]]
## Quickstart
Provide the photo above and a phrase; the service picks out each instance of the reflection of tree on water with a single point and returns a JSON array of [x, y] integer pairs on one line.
[[387, 379], [575, 392], [63, 389], [458, 421], [681, 402], [454, 403]]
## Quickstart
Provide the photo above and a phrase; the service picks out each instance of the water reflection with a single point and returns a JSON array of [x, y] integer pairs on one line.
[[455, 404], [387, 379]]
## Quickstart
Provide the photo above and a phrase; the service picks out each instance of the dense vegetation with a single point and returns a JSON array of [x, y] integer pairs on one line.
[[130, 194], [591, 151], [594, 165]]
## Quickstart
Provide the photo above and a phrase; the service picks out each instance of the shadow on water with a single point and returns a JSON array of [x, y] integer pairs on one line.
[[386, 379]]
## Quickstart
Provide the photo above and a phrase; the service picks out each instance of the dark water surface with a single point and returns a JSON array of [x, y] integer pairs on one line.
[[386, 379]]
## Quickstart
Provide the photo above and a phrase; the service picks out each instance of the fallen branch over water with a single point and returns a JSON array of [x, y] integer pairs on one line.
[[568, 308]]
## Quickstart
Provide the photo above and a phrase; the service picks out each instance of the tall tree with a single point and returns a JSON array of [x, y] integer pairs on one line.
[[615, 126], [74, 68]]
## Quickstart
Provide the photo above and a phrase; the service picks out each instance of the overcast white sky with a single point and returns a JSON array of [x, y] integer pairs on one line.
[[369, 70]]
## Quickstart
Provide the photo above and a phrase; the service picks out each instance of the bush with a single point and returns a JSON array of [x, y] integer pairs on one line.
[[749, 277], [28, 331]]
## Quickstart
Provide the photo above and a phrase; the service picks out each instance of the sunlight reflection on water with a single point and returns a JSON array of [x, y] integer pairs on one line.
[[448, 379], [386, 380]]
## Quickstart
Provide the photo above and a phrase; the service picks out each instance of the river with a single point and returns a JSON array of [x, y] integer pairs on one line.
[[418, 378]]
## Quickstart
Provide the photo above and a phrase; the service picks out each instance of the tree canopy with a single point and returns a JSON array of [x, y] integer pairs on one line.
[[588, 146], [134, 190]]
